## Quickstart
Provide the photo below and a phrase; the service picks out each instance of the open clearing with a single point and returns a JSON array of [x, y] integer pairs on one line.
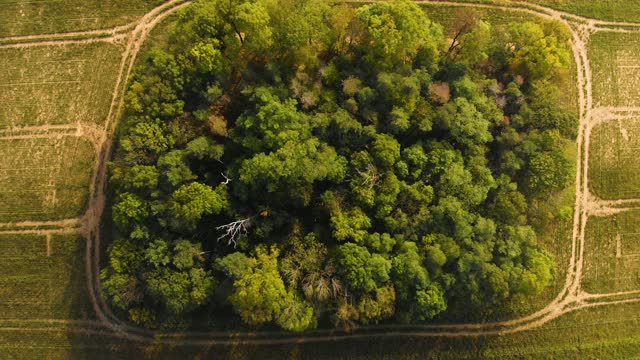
[[57, 84], [44, 178], [614, 167], [603, 331], [616, 68]]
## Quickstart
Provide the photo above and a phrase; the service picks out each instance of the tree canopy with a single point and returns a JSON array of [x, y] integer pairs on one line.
[[300, 163]]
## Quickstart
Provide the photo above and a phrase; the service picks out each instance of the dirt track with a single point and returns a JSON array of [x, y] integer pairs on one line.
[[570, 298]]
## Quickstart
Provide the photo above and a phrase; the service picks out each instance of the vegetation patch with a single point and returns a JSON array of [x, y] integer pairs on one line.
[[612, 253], [613, 167], [43, 277], [44, 178], [616, 68], [57, 84]]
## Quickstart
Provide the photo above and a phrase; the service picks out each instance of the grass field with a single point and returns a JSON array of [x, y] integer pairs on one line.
[[614, 166], [612, 253], [27, 17], [616, 69], [57, 84], [44, 179], [42, 277]]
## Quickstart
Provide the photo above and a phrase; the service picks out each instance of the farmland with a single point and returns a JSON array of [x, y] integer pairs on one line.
[[23, 17], [53, 129], [614, 146], [612, 261], [45, 178], [616, 69], [56, 85], [42, 277]]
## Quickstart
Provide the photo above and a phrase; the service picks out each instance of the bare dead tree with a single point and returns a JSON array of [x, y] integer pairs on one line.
[[371, 175], [465, 21], [226, 179], [234, 230]]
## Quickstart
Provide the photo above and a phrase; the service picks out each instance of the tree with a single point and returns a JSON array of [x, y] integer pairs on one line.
[[259, 294], [129, 210], [296, 315], [547, 172], [386, 150], [430, 302], [145, 142], [190, 202], [180, 291], [174, 168], [295, 165], [536, 54], [399, 32], [363, 271]]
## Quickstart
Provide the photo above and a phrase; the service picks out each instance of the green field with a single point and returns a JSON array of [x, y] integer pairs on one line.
[[616, 69], [24, 17], [44, 179], [612, 253], [57, 84], [613, 168], [42, 277]]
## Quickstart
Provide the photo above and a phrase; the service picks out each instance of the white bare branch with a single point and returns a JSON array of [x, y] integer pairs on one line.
[[234, 230], [227, 180]]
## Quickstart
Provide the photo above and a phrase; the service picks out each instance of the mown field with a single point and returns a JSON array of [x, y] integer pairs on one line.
[[613, 168], [28, 17], [57, 84]]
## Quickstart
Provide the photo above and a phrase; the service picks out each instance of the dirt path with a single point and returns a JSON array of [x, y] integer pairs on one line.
[[570, 298]]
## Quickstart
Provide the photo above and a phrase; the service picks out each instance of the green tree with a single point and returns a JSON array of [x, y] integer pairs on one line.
[[191, 202], [363, 271], [259, 295], [128, 210], [537, 54]]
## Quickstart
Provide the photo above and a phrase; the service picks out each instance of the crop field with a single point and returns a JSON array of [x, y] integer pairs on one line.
[[616, 68], [614, 164], [42, 277], [27, 17], [612, 253], [57, 84], [44, 178], [619, 10]]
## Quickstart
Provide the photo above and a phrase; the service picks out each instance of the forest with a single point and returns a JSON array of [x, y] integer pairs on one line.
[[300, 164]]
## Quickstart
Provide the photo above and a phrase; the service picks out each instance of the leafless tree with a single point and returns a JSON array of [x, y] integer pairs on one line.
[[234, 230], [226, 179]]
